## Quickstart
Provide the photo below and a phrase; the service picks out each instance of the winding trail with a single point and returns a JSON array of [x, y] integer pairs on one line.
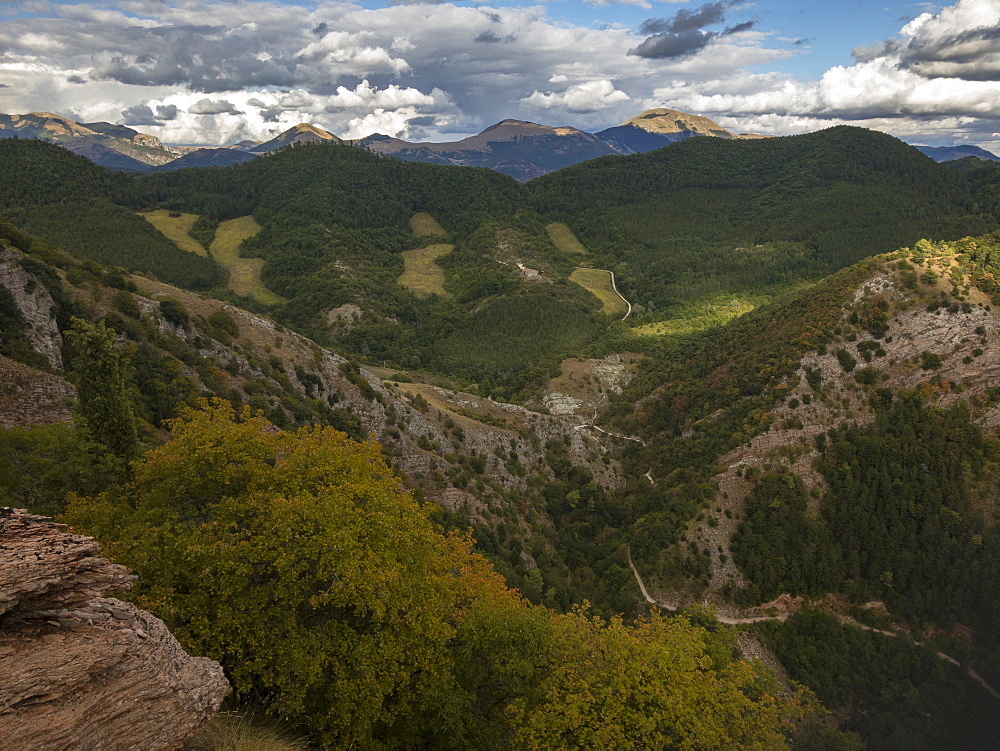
[[608, 432], [615, 288], [739, 621]]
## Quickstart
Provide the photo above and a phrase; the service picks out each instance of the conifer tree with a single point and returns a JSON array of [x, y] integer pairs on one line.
[[101, 380]]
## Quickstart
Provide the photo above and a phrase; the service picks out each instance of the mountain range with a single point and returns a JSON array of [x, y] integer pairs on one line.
[[522, 150]]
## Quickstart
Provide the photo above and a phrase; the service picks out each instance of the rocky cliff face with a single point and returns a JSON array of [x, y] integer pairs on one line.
[[81, 671], [35, 305]]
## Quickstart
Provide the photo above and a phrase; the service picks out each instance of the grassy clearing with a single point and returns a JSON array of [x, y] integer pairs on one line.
[[175, 229], [598, 281], [424, 224], [703, 314], [421, 274], [244, 273], [564, 239]]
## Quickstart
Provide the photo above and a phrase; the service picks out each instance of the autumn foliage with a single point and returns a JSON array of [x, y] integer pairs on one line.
[[299, 561]]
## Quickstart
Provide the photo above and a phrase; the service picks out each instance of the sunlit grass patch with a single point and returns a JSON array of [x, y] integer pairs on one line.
[[175, 228], [244, 273], [424, 224], [598, 281], [421, 274], [705, 313], [564, 239]]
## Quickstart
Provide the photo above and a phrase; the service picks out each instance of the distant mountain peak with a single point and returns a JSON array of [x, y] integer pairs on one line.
[[310, 128], [510, 128], [301, 133], [958, 151], [113, 146], [665, 121]]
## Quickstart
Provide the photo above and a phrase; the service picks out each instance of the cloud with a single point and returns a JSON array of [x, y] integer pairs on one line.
[[140, 114], [894, 82], [684, 33], [671, 44], [365, 95], [143, 115], [344, 53], [699, 18], [605, 3], [411, 67], [75, 79], [390, 123], [209, 107], [590, 96], [962, 41]]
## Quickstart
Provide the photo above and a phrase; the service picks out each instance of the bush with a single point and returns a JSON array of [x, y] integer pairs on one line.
[[846, 359], [173, 312], [930, 361]]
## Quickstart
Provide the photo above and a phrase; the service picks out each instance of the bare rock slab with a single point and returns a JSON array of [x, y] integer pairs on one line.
[[82, 671]]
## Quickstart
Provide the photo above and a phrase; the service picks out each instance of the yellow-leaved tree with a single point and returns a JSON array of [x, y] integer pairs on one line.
[[299, 561]]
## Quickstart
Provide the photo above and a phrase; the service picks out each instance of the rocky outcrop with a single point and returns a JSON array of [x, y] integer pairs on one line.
[[80, 671], [32, 397], [35, 304]]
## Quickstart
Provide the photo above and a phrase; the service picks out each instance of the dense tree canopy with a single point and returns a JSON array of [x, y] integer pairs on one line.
[[298, 561]]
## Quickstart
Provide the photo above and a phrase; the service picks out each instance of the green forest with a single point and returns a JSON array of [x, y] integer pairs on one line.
[[270, 531], [701, 219]]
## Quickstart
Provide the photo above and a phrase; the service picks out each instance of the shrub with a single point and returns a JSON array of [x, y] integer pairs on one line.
[[173, 312], [846, 359]]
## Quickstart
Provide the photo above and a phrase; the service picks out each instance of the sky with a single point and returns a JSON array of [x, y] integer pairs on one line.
[[219, 71]]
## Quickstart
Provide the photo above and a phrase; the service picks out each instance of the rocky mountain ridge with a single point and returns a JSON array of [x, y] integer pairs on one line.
[[112, 146], [517, 148]]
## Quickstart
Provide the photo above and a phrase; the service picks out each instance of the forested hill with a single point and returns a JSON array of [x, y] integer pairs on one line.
[[701, 220], [334, 183], [784, 166], [683, 218], [75, 204]]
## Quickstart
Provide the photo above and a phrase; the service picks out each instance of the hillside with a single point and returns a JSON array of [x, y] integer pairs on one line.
[[839, 450], [483, 461], [717, 217], [70, 202], [112, 146], [468, 453], [694, 234]]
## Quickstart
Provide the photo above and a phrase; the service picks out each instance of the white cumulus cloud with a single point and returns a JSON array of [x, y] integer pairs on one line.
[[589, 96]]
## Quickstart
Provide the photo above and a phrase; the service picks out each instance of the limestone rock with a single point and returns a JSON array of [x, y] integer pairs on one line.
[[32, 397], [35, 304], [79, 671]]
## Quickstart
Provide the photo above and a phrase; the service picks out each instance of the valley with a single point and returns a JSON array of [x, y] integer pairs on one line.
[[752, 381]]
